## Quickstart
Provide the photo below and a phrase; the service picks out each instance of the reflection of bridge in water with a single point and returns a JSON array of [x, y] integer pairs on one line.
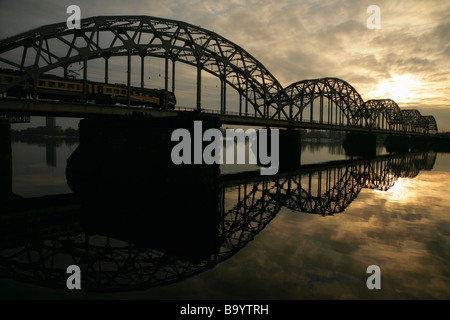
[[331, 189], [39, 249]]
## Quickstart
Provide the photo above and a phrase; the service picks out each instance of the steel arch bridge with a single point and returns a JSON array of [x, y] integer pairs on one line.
[[338, 92], [53, 48], [345, 107], [384, 113]]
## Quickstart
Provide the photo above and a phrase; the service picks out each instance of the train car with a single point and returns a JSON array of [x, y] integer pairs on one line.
[[71, 90]]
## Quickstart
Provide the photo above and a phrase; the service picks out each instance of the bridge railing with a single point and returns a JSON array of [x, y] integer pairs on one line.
[[214, 111], [235, 113]]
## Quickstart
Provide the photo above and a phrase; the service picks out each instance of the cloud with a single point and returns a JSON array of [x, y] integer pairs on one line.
[[296, 40]]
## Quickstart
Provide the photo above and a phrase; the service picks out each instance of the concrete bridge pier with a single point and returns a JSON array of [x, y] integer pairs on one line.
[[5, 162], [289, 149], [422, 142], [360, 144], [129, 188], [394, 143]]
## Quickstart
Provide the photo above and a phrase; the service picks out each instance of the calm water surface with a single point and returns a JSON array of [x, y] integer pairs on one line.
[[269, 248]]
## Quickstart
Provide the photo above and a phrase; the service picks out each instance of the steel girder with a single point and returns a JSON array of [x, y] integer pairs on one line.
[[55, 46]]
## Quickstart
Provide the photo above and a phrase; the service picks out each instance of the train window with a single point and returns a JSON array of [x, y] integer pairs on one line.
[[116, 90], [124, 91], [61, 85], [70, 86], [108, 90], [8, 79], [41, 83], [51, 84]]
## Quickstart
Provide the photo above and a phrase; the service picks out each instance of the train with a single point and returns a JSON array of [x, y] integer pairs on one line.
[[71, 90]]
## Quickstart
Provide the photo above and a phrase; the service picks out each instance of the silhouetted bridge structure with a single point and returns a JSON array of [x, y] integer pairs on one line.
[[327, 103], [38, 247]]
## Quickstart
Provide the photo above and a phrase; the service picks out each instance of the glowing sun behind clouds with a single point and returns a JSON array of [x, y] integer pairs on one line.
[[400, 88]]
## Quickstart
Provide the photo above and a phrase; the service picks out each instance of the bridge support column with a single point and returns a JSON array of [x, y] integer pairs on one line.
[[128, 78], [124, 154], [106, 70], [5, 162], [405, 143], [173, 76], [422, 143], [199, 86], [290, 149], [166, 79], [142, 70], [129, 188], [85, 85], [223, 96], [360, 144], [441, 144], [397, 143]]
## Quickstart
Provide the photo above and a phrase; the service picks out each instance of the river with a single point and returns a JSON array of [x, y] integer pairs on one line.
[[310, 234]]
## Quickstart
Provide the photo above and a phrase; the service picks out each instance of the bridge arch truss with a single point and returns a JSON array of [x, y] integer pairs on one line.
[[344, 102], [55, 46], [340, 104]]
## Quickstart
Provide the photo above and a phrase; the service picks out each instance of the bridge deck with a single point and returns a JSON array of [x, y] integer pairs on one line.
[[81, 110]]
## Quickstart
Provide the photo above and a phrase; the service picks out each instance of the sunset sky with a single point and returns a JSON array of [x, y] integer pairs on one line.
[[407, 59]]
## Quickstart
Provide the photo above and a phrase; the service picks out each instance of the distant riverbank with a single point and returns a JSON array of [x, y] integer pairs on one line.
[[43, 133]]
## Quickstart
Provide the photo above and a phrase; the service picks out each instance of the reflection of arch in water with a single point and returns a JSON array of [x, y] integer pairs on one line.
[[324, 192], [109, 264], [331, 190]]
